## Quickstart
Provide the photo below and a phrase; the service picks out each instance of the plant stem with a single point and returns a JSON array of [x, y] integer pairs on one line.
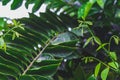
[[8, 31], [47, 44], [103, 63]]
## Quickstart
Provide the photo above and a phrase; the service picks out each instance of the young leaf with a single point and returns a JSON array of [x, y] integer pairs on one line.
[[89, 22], [13, 36], [97, 69], [114, 65], [97, 40], [2, 42], [116, 39], [101, 46], [113, 55], [87, 42], [104, 74], [101, 3]]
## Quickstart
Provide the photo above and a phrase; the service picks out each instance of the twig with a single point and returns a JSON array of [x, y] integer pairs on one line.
[[47, 44]]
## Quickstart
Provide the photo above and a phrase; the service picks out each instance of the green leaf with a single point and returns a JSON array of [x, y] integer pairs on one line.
[[3, 77], [84, 9], [2, 42], [101, 3], [116, 39], [113, 55], [79, 73], [2, 23], [97, 40], [47, 70], [89, 22], [29, 2], [26, 77], [60, 51], [97, 69], [13, 36], [16, 4], [101, 46], [87, 42], [114, 65], [81, 11], [4, 2], [91, 78], [104, 74], [40, 77], [37, 5]]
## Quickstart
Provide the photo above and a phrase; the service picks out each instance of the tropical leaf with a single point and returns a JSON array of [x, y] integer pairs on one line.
[[23, 57]]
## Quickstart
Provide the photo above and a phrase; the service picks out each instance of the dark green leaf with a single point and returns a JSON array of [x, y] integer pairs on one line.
[[3, 77], [40, 78], [26, 77], [48, 70], [79, 73], [16, 4], [37, 5], [91, 78], [4, 2], [2, 24]]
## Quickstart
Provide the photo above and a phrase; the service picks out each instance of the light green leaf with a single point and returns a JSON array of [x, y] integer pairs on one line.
[[89, 22], [13, 36], [17, 34], [97, 40], [101, 46], [101, 3], [97, 69], [113, 55], [85, 8], [114, 65], [2, 42], [87, 42], [104, 74], [116, 39]]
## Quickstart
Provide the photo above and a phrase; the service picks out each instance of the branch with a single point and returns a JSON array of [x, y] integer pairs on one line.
[[47, 44]]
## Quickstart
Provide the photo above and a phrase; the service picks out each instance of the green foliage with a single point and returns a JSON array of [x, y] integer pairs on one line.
[[104, 74], [79, 43]]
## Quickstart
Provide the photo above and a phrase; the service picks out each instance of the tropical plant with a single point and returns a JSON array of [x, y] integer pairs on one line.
[[72, 40]]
